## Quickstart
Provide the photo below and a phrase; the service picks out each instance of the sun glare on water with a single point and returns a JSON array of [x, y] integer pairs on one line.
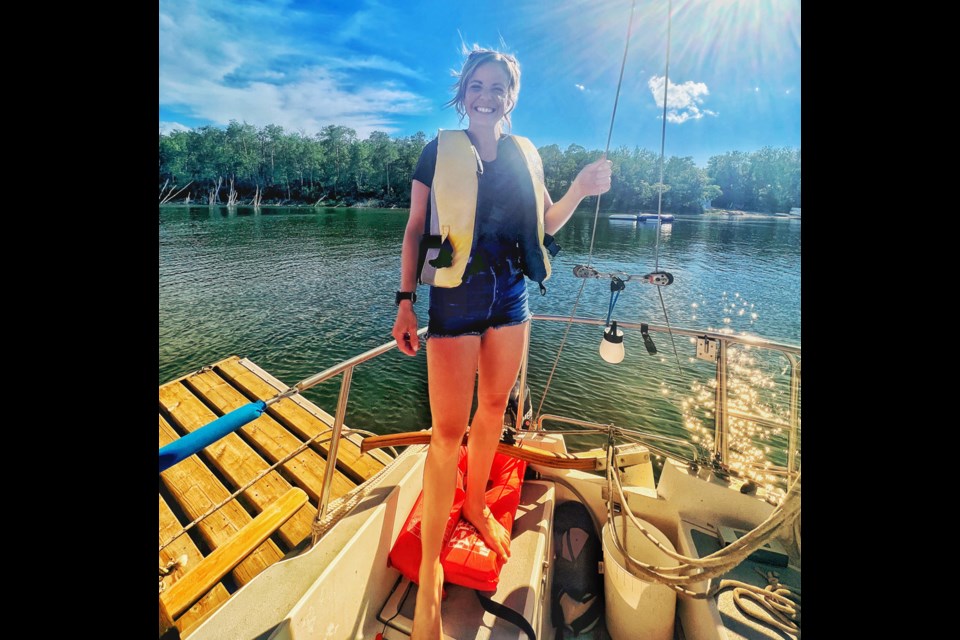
[[758, 403]]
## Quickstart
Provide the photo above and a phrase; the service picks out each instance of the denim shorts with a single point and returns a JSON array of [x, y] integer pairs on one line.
[[494, 297]]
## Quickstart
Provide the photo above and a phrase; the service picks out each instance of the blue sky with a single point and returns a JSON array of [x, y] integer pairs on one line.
[[375, 65]]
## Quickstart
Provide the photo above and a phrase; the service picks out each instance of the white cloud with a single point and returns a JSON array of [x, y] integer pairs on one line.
[[170, 127], [309, 102], [370, 18], [375, 62], [580, 86], [221, 60], [684, 100]]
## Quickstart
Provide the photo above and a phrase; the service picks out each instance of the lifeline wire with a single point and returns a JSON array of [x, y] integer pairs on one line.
[[596, 212]]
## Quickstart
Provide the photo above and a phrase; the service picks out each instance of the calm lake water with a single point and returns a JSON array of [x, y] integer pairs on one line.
[[299, 290]]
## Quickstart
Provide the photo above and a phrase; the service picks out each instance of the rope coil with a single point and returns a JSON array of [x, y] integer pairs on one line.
[[691, 570], [777, 608]]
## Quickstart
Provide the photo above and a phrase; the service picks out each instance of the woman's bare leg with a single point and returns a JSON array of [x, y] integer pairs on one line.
[[501, 351], [451, 372]]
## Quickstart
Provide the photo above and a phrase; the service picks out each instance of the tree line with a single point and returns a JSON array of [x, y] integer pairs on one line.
[[242, 164]]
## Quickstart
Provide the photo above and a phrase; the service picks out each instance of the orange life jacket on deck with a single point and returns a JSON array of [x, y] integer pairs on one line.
[[465, 557]]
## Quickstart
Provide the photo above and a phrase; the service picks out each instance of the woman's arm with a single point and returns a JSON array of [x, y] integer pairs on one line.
[[593, 179], [405, 327]]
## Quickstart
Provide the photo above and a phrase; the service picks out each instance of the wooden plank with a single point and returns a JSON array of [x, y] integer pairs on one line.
[[354, 464], [214, 567], [196, 491], [272, 439], [235, 460], [184, 546]]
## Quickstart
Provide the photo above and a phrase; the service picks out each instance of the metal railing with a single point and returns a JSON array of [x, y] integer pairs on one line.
[[722, 413], [346, 368]]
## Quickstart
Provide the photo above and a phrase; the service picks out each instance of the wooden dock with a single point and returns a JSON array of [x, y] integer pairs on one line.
[[264, 522]]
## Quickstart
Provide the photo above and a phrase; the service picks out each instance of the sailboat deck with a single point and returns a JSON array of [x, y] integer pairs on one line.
[[198, 484]]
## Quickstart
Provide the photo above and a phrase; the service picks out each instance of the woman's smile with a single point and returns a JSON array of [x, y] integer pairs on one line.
[[486, 95]]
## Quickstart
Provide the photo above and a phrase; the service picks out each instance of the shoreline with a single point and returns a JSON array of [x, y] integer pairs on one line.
[[247, 205], [728, 213], [716, 213]]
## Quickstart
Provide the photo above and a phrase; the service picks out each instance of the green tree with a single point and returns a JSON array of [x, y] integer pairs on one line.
[[731, 173], [336, 141], [173, 157], [242, 154], [360, 165], [384, 152], [552, 159], [687, 185], [270, 139], [408, 153], [299, 168]]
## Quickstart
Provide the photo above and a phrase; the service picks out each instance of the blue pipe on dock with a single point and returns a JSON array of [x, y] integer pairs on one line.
[[193, 442]]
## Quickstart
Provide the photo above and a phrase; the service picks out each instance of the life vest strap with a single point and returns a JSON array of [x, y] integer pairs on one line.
[[430, 241], [506, 613]]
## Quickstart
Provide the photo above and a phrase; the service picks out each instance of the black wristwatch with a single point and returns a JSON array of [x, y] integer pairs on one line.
[[406, 295]]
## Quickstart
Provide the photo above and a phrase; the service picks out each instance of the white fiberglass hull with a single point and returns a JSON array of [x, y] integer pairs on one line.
[[344, 588]]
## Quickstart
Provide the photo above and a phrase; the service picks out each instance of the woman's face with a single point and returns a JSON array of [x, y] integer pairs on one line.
[[487, 95]]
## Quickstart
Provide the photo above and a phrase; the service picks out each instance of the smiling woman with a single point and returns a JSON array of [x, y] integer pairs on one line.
[[492, 90], [480, 221], [479, 228]]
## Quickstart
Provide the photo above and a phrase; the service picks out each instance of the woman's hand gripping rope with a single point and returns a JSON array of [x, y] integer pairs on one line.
[[595, 178]]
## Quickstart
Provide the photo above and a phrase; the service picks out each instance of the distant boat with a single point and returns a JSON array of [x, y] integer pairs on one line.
[[652, 217], [665, 218]]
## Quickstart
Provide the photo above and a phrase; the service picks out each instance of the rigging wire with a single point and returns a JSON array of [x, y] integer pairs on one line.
[[669, 330], [596, 213], [663, 139]]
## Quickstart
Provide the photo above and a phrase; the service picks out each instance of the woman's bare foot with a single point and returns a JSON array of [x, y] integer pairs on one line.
[[493, 533], [426, 617]]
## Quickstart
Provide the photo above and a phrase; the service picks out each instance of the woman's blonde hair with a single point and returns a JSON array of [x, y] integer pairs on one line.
[[475, 58]]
